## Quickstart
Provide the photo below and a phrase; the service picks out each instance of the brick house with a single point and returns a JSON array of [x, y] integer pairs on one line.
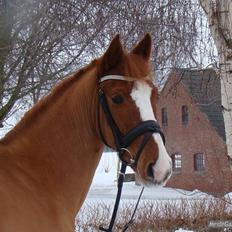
[[190, 114]]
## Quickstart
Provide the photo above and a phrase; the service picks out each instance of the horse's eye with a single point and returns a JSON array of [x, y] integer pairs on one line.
[[117, 99]]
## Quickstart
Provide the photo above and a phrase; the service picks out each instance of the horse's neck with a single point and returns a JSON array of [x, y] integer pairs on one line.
[[61, 148]]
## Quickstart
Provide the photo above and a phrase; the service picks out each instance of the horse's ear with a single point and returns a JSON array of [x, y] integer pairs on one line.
[[143, 48], [113, 55]]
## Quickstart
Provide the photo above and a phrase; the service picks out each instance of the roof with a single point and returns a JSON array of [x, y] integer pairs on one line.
[[205, 89]]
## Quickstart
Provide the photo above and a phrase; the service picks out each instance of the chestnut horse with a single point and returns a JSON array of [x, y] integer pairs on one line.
[[47, 162]]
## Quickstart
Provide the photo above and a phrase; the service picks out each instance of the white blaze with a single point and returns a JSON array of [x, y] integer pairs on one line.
[[141, 94]]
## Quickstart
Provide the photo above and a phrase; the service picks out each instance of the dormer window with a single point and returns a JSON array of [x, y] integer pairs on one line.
[[185, 115], [164, 116]]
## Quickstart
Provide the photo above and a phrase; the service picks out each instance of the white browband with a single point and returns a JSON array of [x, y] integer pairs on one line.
[[118, 78]]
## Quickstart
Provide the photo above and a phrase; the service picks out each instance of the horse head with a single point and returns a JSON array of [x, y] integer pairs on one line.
[[127, 118]]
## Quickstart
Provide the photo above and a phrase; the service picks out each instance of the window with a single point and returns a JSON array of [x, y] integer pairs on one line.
[[164, 117], [176, 162], [199, 162], [185, 115]]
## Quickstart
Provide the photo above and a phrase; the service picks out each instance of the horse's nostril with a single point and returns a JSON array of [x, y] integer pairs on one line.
[[150, 172]]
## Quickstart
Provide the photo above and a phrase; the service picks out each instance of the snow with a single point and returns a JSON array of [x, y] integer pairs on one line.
[[182, 230], [131, 192], [106, 173], [104, 189], [104, 185]]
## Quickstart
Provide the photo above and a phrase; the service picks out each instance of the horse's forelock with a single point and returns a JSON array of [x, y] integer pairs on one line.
[[137, 67]]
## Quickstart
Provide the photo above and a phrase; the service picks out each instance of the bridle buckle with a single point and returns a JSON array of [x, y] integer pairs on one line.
[[132, 160]]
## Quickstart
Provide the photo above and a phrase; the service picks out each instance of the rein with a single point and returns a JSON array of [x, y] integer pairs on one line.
[[122, 142]]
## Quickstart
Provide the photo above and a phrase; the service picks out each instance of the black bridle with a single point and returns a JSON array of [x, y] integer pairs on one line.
[[123, 141]]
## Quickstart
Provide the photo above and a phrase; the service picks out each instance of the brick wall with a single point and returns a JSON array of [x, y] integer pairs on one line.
[[197, 136]]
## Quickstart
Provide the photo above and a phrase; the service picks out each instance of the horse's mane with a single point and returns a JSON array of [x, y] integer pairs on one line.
[[44, 103]]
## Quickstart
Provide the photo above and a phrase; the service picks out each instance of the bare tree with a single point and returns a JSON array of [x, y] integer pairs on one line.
[[42, 41], [219, 15], [174, 26], [39, 42]]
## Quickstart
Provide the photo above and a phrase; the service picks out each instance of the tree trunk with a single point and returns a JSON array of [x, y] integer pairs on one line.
[[219, 15]]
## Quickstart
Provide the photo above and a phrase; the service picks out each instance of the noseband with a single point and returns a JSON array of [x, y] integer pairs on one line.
[[122, 142]]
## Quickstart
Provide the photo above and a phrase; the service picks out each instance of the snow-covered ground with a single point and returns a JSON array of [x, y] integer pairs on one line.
[[104, 185]]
